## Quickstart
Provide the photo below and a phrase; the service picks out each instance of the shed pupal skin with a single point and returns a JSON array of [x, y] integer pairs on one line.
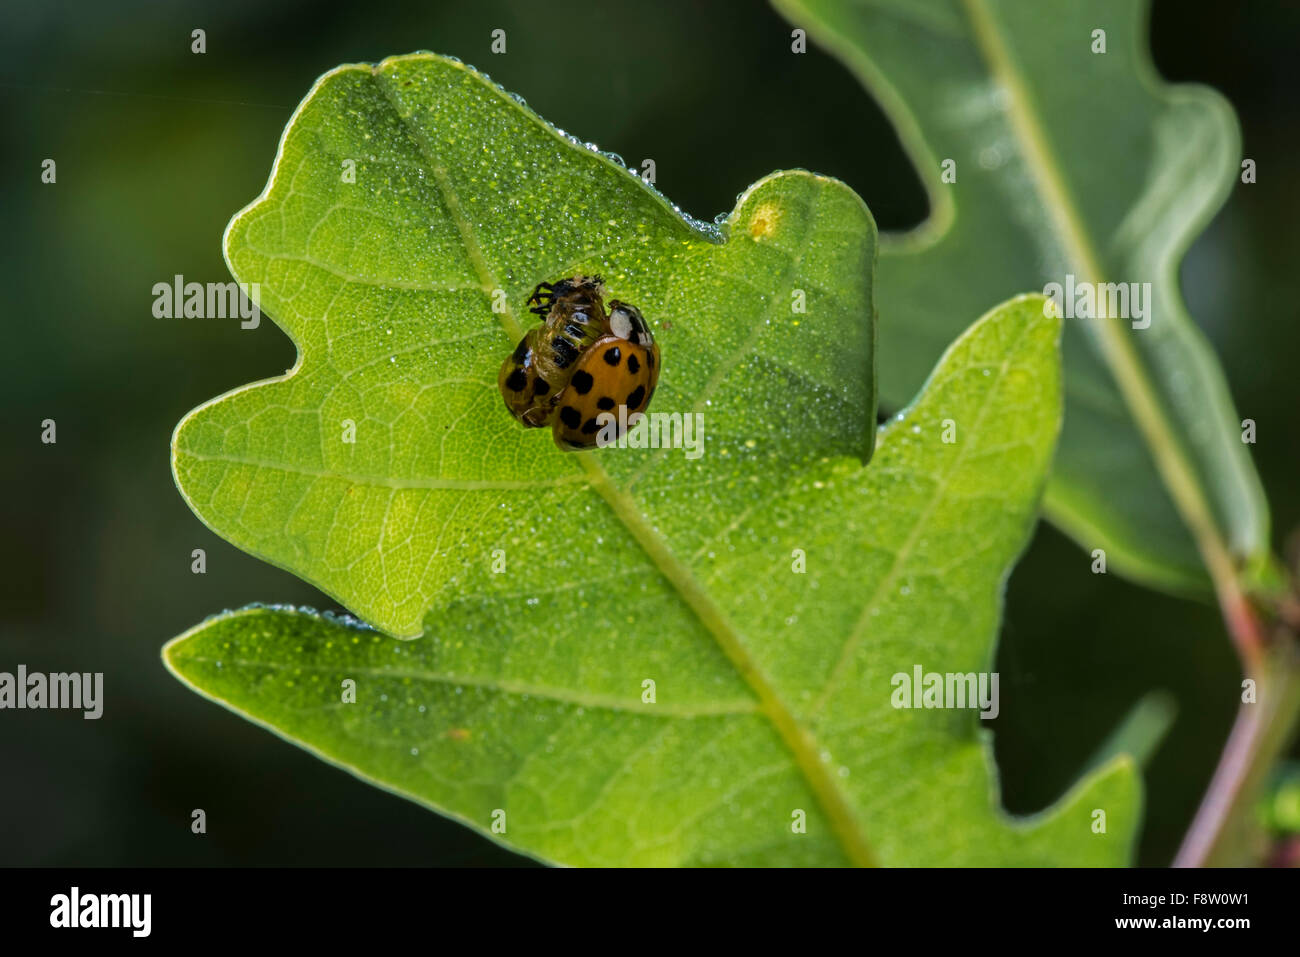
[[533, 376]]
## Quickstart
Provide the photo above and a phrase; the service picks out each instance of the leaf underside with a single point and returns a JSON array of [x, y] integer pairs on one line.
[[1067, 162]]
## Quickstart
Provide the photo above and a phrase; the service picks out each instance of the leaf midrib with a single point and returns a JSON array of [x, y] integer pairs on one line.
[[800, 741], [380, 481], [564, 696], [1176, 470]]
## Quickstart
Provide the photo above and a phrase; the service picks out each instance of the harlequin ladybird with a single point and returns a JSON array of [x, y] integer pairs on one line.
[[620, 369], [579, 363], [532, 377]]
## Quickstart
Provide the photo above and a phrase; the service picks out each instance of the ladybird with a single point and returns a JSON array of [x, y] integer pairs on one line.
[[580, 362], [533, 376], [619, 369]]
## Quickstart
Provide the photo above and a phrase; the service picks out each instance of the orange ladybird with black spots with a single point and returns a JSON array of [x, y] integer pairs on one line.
[[620, 369]]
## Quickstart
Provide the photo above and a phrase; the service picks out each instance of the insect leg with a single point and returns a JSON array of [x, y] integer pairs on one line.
[[543, 292]]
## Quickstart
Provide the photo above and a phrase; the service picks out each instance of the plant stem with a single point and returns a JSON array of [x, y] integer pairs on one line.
[[1219, 832], [1263, 728]]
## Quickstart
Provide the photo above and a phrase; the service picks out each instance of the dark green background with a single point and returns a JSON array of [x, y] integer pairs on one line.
[[157, 148]]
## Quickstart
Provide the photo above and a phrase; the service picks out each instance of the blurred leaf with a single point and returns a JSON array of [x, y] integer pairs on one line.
[[1141, 732], [1068, 162], [1279, 802]]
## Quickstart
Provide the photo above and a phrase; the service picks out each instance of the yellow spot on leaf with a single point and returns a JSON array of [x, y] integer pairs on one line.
[[762, 225]]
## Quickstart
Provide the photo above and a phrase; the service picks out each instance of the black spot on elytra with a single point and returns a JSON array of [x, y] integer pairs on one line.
[[634, 400], [571, 417], [605, 402], [612, 355], [582, 381], [590, 427], [541, 387], [521, 351], [565, 353], [632, 365], [516, 381]]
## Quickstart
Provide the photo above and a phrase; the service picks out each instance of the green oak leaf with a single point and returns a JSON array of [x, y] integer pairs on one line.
[[1068, 161], [384, 468], [638, 657], [708, 692]]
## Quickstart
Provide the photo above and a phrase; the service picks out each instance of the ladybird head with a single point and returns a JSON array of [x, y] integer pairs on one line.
[[579, 289], [626, 322]]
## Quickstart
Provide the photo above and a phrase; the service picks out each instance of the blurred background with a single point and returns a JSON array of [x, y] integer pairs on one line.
[[157, 147]]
